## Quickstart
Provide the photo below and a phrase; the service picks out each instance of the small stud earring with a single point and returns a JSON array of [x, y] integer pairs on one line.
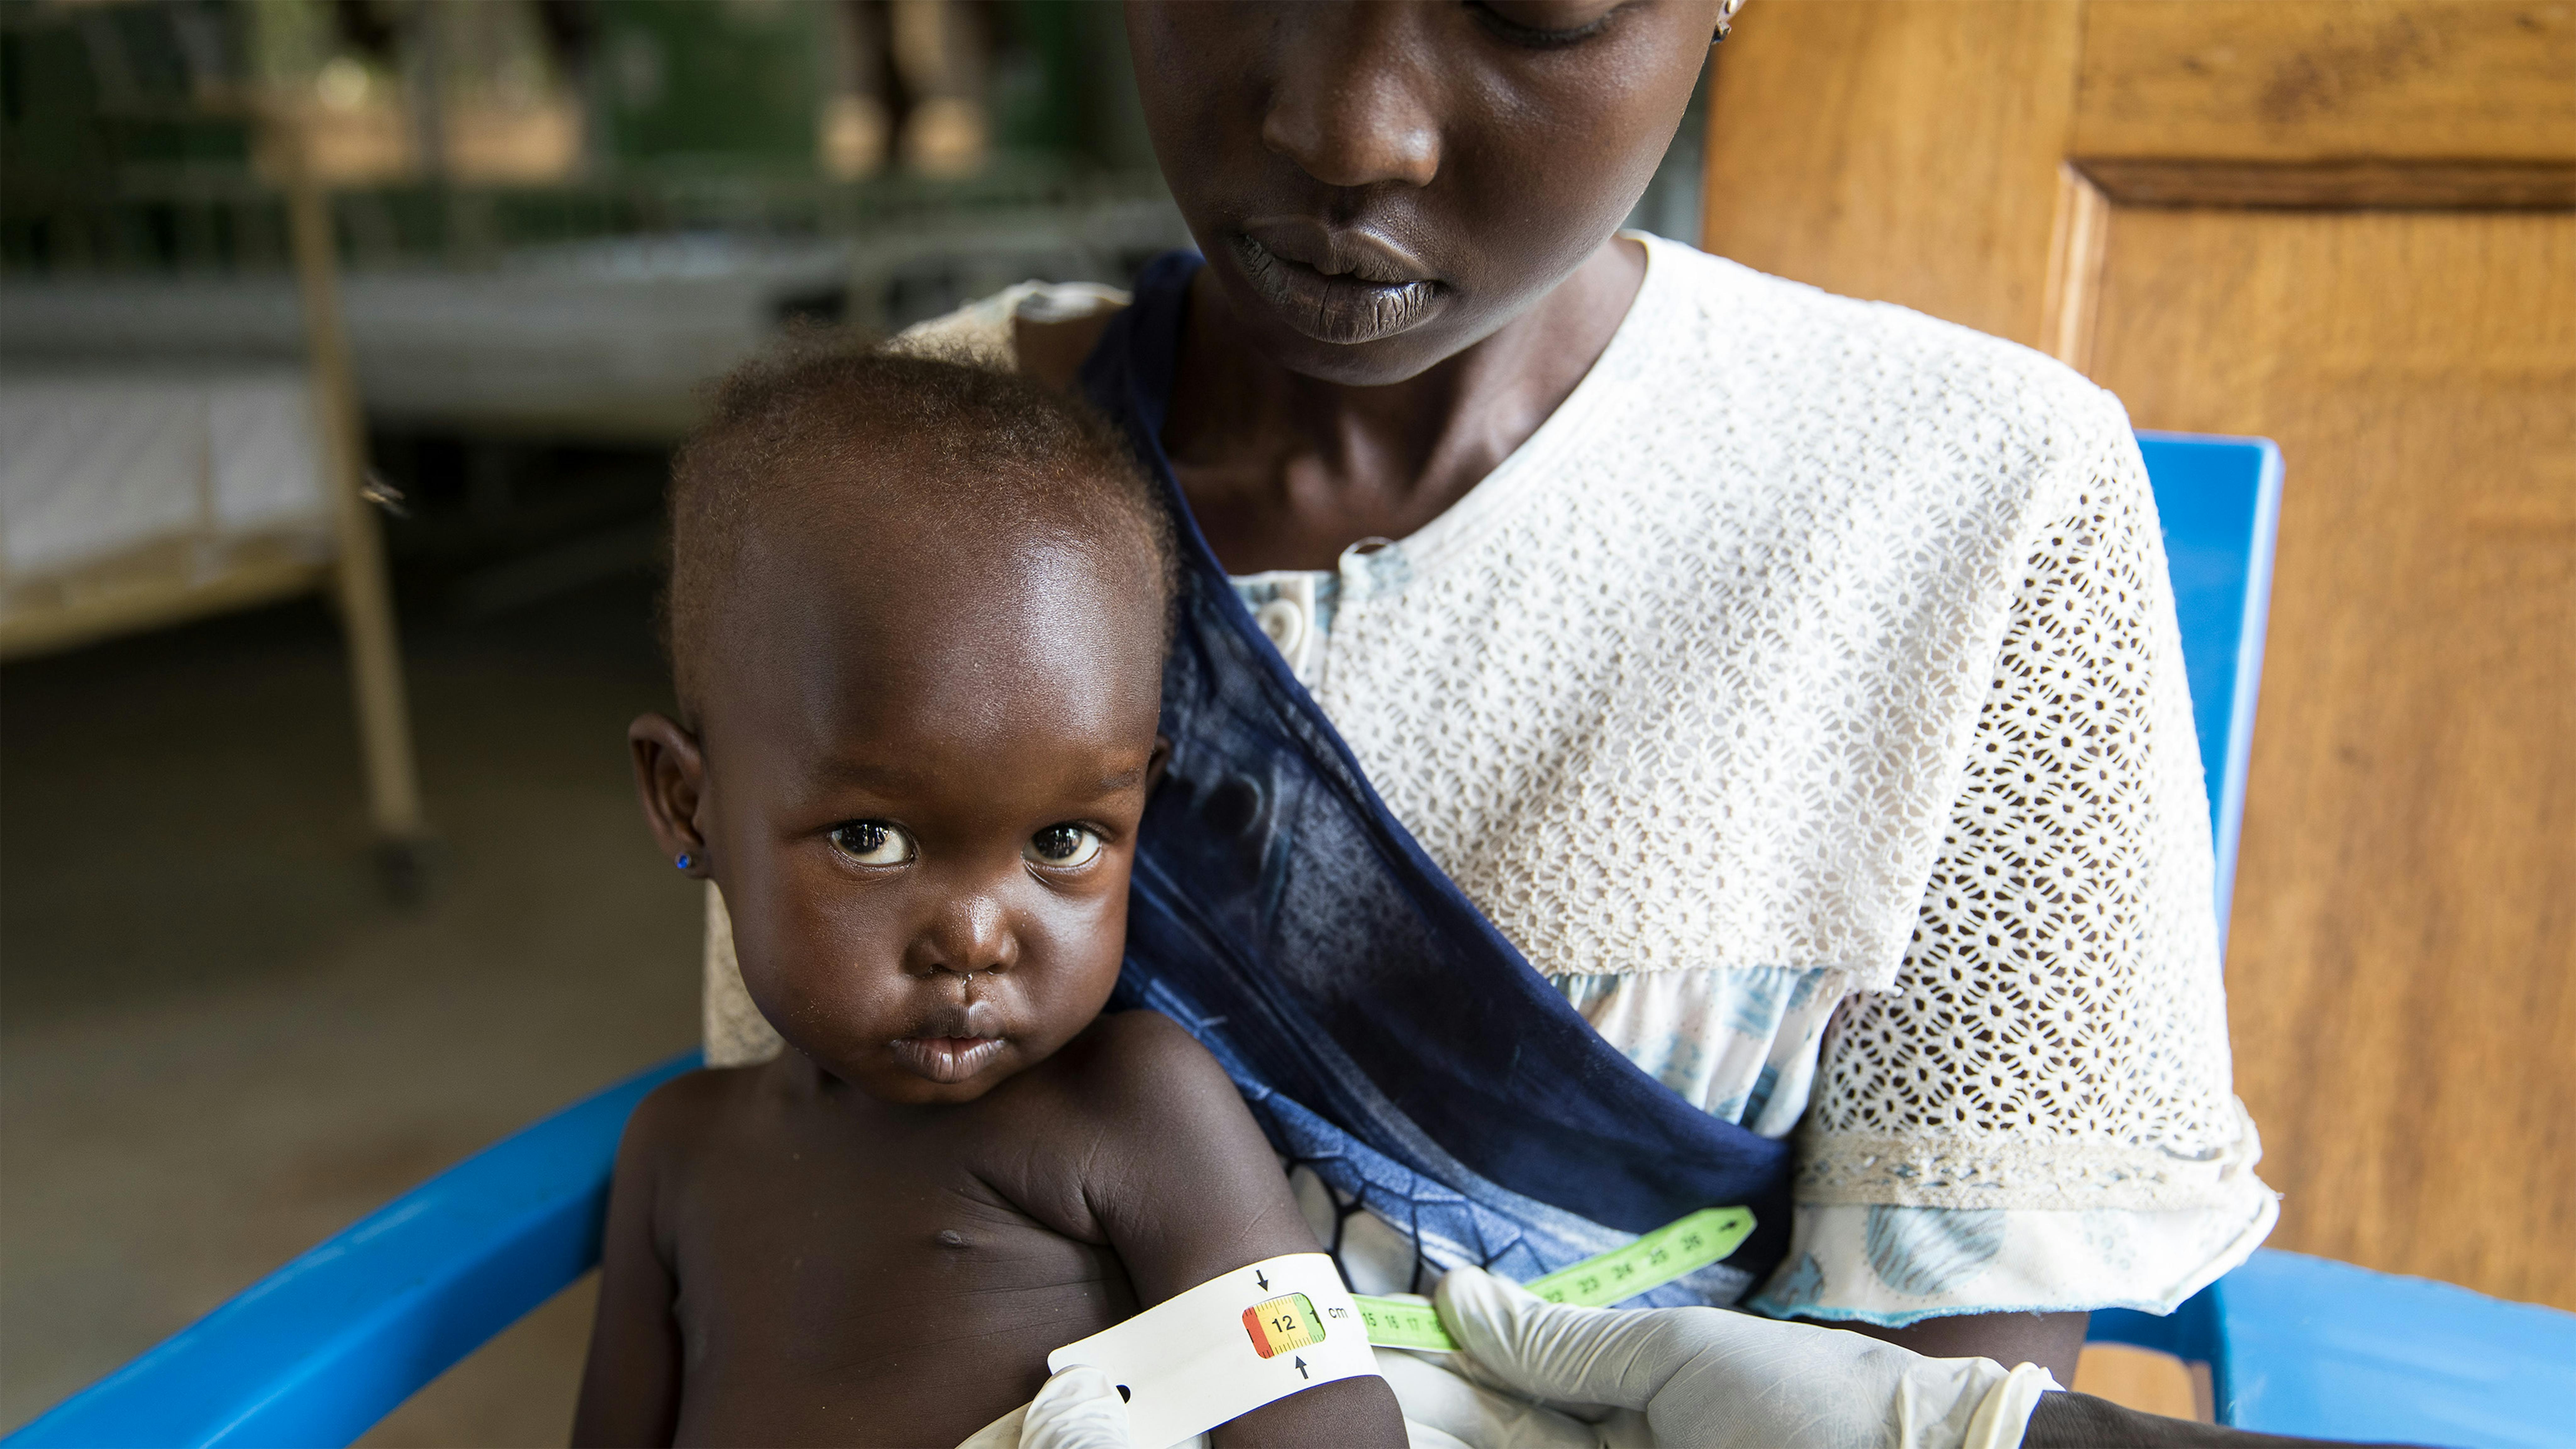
[[683, 862]]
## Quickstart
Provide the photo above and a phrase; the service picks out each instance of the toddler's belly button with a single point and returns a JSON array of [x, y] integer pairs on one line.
[[950, 1238]]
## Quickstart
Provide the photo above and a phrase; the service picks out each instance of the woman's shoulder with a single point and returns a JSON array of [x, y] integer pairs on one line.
[[1874, 366], [1041, 328]]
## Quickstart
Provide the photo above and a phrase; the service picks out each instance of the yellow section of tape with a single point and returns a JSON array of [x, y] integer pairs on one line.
[[1281, 1324]]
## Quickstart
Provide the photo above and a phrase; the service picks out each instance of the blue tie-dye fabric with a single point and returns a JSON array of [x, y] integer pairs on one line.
[[1384, 1034]]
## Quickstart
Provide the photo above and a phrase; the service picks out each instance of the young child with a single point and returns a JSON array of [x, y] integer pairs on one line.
[[917, 615]]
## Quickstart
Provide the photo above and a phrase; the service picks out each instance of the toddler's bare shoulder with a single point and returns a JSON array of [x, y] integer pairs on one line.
[[1129, 1049], [1172, 1164], [678, 1119], [1140, 1073]]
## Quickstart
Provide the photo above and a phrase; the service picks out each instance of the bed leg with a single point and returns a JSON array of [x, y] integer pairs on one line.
[[366, 602]]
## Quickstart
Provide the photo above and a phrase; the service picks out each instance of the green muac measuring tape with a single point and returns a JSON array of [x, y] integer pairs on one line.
[[1261, 1332], [1650, 1262]]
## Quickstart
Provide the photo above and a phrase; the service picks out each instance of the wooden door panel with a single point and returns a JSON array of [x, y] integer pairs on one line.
[[2402, 970], [2322, 80], [2350, 226], [1827, 121], [2347, 103]]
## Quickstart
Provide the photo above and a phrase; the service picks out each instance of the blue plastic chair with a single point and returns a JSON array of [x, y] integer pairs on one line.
[[2219, 500], [2295, 1344], [323, 1348]]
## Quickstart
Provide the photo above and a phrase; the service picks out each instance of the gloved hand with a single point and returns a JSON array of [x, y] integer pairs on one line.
[[1077, 1409], [1708, 1377]]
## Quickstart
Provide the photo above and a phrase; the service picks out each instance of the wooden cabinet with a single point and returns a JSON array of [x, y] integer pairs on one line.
[[2349, 226]]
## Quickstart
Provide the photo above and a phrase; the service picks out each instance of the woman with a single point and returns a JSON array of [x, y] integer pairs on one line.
[[1793, 681]]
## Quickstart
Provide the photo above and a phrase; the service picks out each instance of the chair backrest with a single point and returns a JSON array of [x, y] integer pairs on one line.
[[2220, 503]]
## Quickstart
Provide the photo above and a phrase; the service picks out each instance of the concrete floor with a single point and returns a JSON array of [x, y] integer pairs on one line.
[[219, 1042]]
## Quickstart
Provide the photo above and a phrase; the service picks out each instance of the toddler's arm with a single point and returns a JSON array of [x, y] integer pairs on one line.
[[630, 1389], [1186, 1188]]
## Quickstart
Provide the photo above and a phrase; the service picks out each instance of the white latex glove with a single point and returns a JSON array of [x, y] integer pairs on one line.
[[1445, 1408], [1080, 1409], [1708, 1377], [1076, 1409]]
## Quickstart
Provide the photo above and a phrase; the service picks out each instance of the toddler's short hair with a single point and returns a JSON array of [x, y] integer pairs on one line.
[[796, 437]]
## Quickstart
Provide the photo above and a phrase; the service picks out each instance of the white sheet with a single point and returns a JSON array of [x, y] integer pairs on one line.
[[93, 463]]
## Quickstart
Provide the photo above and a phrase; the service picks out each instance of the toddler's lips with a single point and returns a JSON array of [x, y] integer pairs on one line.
[[947, 1058]]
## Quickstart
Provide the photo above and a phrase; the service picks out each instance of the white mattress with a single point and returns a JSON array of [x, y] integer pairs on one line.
[[609, 338], [94, 463]]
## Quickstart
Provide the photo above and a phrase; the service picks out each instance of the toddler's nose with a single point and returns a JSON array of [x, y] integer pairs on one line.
[[965, 936]]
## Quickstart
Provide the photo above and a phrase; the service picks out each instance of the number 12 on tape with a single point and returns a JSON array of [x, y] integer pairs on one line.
[[1281, 1324]]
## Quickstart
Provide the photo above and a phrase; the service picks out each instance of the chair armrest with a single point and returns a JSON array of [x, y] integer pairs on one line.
[[321, 1349], [2322, 1348], [2313, 1347]]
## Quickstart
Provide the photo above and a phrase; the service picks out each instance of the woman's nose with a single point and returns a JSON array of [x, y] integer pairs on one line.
[[966, 934], [1350, 102]]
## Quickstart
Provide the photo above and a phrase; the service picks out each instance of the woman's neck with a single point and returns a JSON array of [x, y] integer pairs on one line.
[[1285, 471]]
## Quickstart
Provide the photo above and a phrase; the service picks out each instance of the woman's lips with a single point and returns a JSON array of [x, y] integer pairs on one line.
[[946, 1058], [1341, 299]]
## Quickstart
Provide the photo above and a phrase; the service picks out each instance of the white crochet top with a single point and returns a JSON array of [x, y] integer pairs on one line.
[[1804, 698]]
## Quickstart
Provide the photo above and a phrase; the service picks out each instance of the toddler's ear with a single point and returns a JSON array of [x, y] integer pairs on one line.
[[1154, 766], [670, 780]]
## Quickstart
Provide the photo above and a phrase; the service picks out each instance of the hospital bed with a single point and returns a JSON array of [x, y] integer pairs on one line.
[[134, 496], [323, 1348]]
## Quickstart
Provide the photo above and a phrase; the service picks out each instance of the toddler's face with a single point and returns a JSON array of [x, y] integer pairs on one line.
[[919, 790]]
